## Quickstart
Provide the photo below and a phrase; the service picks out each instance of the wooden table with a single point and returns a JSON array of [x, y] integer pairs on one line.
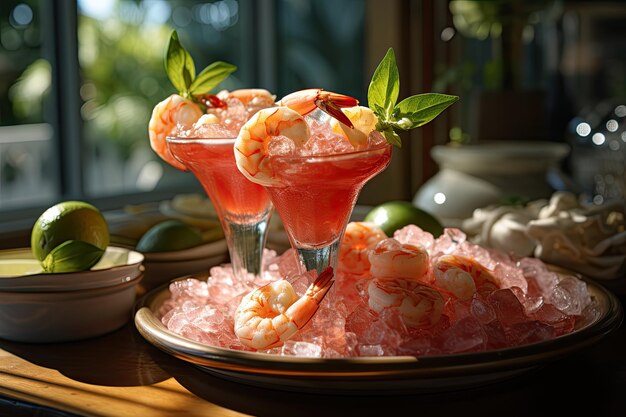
[[120, 375]]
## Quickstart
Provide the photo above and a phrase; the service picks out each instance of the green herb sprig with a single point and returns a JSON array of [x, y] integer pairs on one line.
[[412, 112], [181, 71]]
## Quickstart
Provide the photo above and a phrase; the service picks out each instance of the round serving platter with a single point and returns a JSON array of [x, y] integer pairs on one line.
[[375, 375]]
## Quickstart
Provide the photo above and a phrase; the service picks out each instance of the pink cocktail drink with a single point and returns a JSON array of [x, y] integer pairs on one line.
[[317, 194], [235, 197]]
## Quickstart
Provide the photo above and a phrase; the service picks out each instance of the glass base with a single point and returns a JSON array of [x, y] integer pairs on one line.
[[319, 258]]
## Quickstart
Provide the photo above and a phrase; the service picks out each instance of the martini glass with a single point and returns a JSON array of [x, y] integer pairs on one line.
[[315, 196], [243, 207]]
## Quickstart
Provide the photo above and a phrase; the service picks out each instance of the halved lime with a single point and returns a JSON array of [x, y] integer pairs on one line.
[[75, 221]]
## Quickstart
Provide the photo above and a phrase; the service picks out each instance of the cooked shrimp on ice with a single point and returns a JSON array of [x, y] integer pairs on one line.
[[273, 313], [419, 304], [305, 101], [166, 116], [463, 276], [252, 143], [392, 259], [356, 243], [250, 96]]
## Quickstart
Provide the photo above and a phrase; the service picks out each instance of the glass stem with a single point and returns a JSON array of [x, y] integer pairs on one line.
[[245, 246], [319, 258]]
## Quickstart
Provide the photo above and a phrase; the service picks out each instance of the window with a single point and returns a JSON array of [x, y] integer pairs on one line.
[[80, 79], [120, 51]]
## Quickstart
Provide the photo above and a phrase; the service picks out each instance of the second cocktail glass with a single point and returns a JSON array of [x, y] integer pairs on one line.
[[315, 196], [244, 208]]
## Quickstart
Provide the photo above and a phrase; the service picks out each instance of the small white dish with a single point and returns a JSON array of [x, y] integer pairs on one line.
[[20, 271], [161, 267], [196, 252]]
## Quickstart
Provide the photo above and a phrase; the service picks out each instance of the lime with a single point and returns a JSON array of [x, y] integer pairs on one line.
[[69, 236], [169, 235], [394, 215]]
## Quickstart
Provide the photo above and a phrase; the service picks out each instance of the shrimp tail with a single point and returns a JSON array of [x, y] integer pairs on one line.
[[322, 284], [303, 310], [332, 103], [334, 111], [305, 101]]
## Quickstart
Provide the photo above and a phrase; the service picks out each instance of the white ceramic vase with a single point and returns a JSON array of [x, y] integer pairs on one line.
[[475, 176]]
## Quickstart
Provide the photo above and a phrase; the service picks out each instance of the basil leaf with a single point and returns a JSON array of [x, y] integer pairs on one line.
[[210, 77], [378, 111], [422, 108], [179, 65], [385, 86], [189, 70], [71, 256], [392, 137]]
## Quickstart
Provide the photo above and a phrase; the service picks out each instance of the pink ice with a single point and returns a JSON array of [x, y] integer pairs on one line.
[[533, 304]]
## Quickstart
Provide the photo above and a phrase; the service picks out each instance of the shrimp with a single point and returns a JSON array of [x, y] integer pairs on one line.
[[358, 239], [463, 276], [392, 259], [253, 97], [419, 304], [273, 313], [364, 121], [252, 143], [305, 101], [206, 119], [167, 115]]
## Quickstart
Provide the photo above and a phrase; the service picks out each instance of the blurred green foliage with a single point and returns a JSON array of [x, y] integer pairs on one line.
[[20, 61], [123, 78]]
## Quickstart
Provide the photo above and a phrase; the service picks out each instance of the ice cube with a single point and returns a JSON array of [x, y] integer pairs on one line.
[[375, 138], [302, 349], [570, 296], [371, 350], [414, 235], [281, 146], [508, 308], [466, 335], [317, 117], [212, 131]]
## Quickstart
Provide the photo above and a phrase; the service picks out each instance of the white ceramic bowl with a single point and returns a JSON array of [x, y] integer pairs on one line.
[[161, 267], [38, 308], [20, 271]]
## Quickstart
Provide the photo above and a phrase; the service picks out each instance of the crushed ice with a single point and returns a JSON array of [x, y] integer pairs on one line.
[[533, 304]]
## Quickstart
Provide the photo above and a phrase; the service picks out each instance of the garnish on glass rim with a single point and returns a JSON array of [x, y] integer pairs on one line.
[[412, 112], [182, 72]]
